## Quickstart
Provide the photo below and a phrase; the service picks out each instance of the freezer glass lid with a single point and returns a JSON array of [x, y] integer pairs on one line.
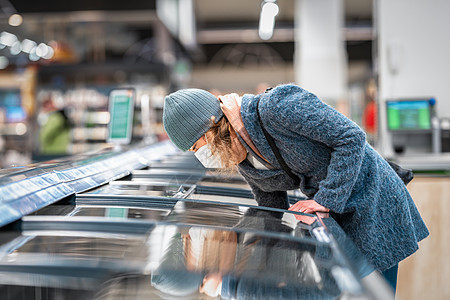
[[183, 261]]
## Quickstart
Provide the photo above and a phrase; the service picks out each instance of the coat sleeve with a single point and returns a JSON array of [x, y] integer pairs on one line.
[[296, 110], [275, 199]]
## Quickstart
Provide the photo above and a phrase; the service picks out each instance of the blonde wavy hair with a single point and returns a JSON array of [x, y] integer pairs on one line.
[[219, 138]]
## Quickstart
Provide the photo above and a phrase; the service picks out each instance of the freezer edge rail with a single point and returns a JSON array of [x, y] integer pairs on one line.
[[25, 191]]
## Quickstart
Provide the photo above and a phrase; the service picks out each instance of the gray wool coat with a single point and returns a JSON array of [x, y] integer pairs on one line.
[[337, 168]]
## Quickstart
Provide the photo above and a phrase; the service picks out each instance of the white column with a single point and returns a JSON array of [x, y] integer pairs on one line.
[[320, 56]]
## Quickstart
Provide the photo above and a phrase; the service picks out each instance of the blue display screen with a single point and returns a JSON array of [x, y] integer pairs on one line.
[[11, 104]]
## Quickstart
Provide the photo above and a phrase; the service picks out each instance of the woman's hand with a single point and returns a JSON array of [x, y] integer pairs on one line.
[[308, 220], [308, 206], [211, 285], [230, 104]]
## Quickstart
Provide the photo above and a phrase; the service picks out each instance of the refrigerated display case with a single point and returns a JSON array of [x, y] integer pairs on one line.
[[151, 223]]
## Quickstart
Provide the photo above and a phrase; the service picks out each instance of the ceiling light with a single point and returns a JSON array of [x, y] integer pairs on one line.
[[42, 50], [15, 20], [16, 48], [28, 45], [50, 53], [33, 56], [269, 10], [7, 38]]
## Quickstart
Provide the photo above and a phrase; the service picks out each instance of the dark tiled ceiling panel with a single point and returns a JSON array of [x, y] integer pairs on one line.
[[26, 6]]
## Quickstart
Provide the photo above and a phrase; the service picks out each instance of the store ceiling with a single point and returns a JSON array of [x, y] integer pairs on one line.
[[130, 22], [206, 10], [57, 6], [238, 10]]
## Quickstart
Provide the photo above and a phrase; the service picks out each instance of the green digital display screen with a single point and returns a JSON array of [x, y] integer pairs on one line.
[[408, 115], [116, 212], [121, 106]]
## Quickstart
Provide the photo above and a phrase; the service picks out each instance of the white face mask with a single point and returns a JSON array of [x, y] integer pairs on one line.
[[207, 159]]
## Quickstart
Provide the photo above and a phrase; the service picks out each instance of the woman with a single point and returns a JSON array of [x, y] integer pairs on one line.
[[325, 153]]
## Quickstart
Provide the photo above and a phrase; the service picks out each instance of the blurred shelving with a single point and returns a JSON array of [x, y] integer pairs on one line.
[[16, 107], [87, 111]]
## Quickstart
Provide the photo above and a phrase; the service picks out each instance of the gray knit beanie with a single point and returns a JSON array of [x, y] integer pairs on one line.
[[187, 115]]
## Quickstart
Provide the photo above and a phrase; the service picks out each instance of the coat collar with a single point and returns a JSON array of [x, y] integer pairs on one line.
[[250, 119]]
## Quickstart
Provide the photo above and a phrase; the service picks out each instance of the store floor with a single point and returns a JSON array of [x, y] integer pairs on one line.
[[425, 274]]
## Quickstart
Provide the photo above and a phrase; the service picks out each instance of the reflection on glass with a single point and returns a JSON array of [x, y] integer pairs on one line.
[[126, 248], [236, 264], [134, 188], [121, 212], [259, 254], [229, 199]]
